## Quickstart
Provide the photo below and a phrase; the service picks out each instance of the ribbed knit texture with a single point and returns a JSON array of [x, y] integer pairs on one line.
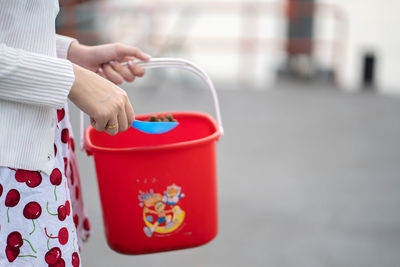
[[33, 82]]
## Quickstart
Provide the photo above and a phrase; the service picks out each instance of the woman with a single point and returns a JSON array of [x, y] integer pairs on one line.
[[42, 218]]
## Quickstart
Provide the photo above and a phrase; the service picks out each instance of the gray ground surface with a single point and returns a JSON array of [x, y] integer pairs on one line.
[[307, 177]]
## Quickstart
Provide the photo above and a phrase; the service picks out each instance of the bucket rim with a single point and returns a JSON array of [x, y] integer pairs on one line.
[[90, 147]]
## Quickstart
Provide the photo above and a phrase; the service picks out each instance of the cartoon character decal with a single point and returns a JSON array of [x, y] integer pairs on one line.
[[172, 195], [161, 214]]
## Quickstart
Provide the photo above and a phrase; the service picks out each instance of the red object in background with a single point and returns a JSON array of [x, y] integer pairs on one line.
[[300, 18], [133, 168]]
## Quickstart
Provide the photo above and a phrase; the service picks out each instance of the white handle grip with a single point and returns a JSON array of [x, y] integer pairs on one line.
[[172, 63]]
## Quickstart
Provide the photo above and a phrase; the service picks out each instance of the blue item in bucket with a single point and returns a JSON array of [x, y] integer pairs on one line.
[[154, 127]]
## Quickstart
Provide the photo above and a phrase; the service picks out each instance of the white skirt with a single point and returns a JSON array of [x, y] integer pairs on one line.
[[42, 217]]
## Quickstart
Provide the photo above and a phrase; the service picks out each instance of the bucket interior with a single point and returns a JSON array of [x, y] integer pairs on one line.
[[192, 126]]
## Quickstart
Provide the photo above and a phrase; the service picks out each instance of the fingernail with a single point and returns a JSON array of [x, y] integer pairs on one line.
[[100, 70], [112, 63], [147, 55]]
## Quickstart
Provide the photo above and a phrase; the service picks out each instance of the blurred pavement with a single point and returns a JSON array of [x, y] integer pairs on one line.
[[308, 176]]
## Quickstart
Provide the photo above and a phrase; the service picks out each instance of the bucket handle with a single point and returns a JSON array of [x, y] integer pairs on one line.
[[178, 64]]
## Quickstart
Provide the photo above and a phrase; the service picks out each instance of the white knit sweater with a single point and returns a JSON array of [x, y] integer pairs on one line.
[[35, 80]]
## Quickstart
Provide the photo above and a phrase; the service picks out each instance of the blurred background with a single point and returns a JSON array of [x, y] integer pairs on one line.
[[308, 168]]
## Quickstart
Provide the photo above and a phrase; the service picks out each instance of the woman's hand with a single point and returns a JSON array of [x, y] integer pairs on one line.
[[106, 59], [107, 105]]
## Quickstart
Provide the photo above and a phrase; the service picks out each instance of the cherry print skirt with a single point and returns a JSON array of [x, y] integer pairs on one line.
[[42, 217]]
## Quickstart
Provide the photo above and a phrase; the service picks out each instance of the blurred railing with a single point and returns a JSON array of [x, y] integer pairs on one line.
[[87, 20]]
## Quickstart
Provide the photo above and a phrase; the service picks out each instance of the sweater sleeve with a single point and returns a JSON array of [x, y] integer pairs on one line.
[[33, 78], [62, 45]]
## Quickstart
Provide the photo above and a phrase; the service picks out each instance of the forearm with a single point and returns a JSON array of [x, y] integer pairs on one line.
[[77, 54], [33, 78]]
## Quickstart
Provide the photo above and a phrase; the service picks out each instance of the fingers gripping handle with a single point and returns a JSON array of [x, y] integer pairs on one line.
[[173, 63]]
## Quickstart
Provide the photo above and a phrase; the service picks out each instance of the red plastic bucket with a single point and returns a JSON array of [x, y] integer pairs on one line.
[[158, 192]]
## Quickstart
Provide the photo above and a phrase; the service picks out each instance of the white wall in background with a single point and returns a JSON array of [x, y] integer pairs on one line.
[[373, 26]]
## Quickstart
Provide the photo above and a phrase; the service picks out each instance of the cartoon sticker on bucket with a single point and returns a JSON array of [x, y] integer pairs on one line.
[[161, 213]]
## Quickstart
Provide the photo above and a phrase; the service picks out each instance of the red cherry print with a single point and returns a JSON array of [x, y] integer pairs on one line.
[[53, 255], [86, 224], [60, 114], [76, 220], [75, 259], [65, 135], [12, 199], [1, 190], [72, 172], [56, 177], [11, 253], [62, 235], [59, 263], [21, 176], [65, 165], [14, 240], [31, 178], [72, 143], [62, 212], [34, 181], [67, 207], [77, 192], [21, 179], [32, 211], [55, 150]]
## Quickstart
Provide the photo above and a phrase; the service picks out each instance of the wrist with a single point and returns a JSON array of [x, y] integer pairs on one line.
[[77, 53], [78, 71]]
